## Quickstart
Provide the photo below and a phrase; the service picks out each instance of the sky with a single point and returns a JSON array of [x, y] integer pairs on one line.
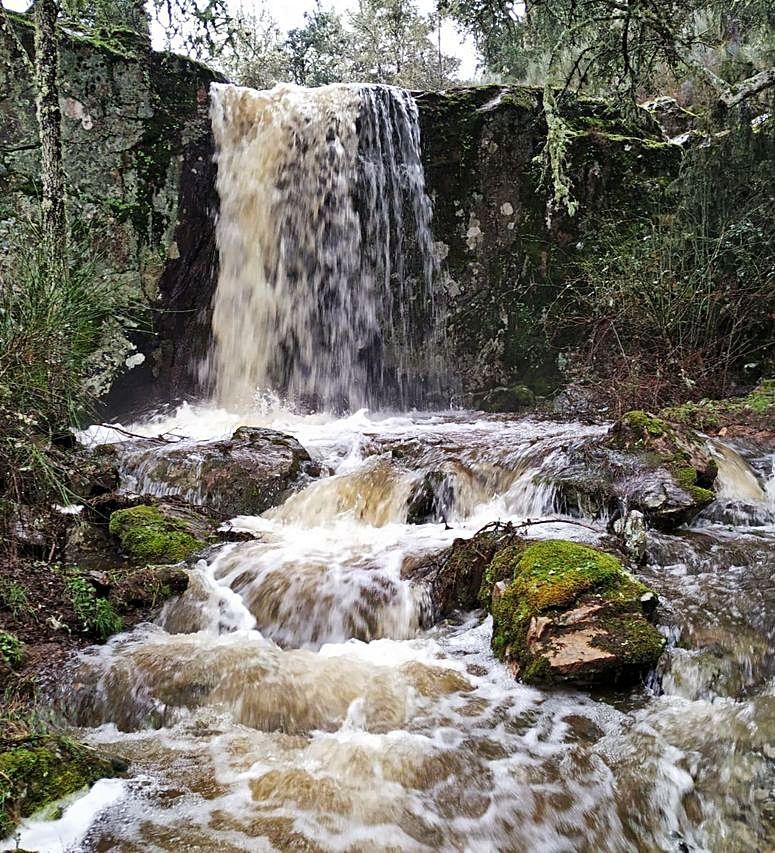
[[290, 13]]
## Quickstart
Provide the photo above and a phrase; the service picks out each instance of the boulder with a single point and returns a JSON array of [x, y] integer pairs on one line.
[[42, 769], [162, 532], [511, 398], [245, 475], [632, 529], [678, 469], [673, 119], [566, 612], [149, 587], [662, 470]]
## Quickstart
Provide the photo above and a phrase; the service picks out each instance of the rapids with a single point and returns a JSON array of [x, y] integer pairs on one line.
[[290, 699], [293, 698]]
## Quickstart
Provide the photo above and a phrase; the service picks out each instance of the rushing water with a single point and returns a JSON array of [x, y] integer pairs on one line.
[[325, 284], [290, 699], [294, 698]]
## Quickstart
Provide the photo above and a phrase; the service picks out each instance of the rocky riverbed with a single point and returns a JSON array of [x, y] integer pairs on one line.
[[500, 618]]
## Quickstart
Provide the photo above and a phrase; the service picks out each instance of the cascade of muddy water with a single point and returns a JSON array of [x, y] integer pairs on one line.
[[291, 698], [326, 271]]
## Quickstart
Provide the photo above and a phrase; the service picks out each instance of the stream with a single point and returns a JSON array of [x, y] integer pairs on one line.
[[290, 699], [293, 698]]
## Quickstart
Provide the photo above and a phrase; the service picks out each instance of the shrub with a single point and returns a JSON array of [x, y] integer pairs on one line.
[[55, 314], [681, 305], [96, 615], [11, 649]]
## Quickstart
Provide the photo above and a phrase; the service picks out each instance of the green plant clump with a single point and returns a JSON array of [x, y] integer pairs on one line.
[[96, 615], [13, 597], [60, 321], [148, 536], [11, 649]]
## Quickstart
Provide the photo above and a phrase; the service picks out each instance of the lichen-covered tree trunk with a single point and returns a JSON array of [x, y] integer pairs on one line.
[[49, 121]]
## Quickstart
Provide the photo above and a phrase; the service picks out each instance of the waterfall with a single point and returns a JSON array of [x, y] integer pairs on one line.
[[326, 267]]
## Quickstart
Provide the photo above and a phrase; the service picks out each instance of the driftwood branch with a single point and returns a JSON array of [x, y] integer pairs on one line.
[[160, 438]]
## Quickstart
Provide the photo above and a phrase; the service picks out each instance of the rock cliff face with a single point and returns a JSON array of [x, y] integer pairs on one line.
[[503, 259], [138, 157]]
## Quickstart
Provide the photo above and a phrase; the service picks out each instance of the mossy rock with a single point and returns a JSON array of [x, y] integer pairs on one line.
[[753, 412], [512, 398], [245, 475], [150, 586], [678, 471], [149, 535], [563, 611], [40, 771]]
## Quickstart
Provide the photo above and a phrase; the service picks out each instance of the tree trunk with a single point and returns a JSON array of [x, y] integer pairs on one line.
[[50, 122]]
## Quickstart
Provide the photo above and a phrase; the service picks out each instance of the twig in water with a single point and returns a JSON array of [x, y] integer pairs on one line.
[[160, 438]]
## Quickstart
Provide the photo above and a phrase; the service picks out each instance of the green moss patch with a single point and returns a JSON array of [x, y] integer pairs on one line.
[[629, 636], [42, 770], [645, 426], [755, 410], [149, 536], [551, 578]]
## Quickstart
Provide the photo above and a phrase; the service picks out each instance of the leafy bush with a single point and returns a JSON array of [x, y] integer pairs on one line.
[[682, 304], [11, 649], [54, 312], [96, 615]]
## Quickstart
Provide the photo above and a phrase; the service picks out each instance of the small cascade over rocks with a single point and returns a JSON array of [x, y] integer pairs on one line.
[[745, 489], [325, 292], [327, 680], [330, 683]]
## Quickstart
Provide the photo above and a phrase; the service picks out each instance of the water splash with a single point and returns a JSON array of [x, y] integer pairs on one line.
[[325, 286]]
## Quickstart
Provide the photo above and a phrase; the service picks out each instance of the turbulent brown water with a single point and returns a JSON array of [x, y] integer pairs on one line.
[[325, 290], [292, 700]]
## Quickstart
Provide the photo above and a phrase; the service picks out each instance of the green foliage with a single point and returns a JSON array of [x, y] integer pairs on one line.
[[681, 304], [148, 536], [382, 41], [316, 53], [54, 312], [13, 596], [96, 615], [253, 53], [618, 48], [11, 649], [391, 44]]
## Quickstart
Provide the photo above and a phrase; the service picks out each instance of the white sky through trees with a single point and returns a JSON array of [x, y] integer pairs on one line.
[[290, 13]]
